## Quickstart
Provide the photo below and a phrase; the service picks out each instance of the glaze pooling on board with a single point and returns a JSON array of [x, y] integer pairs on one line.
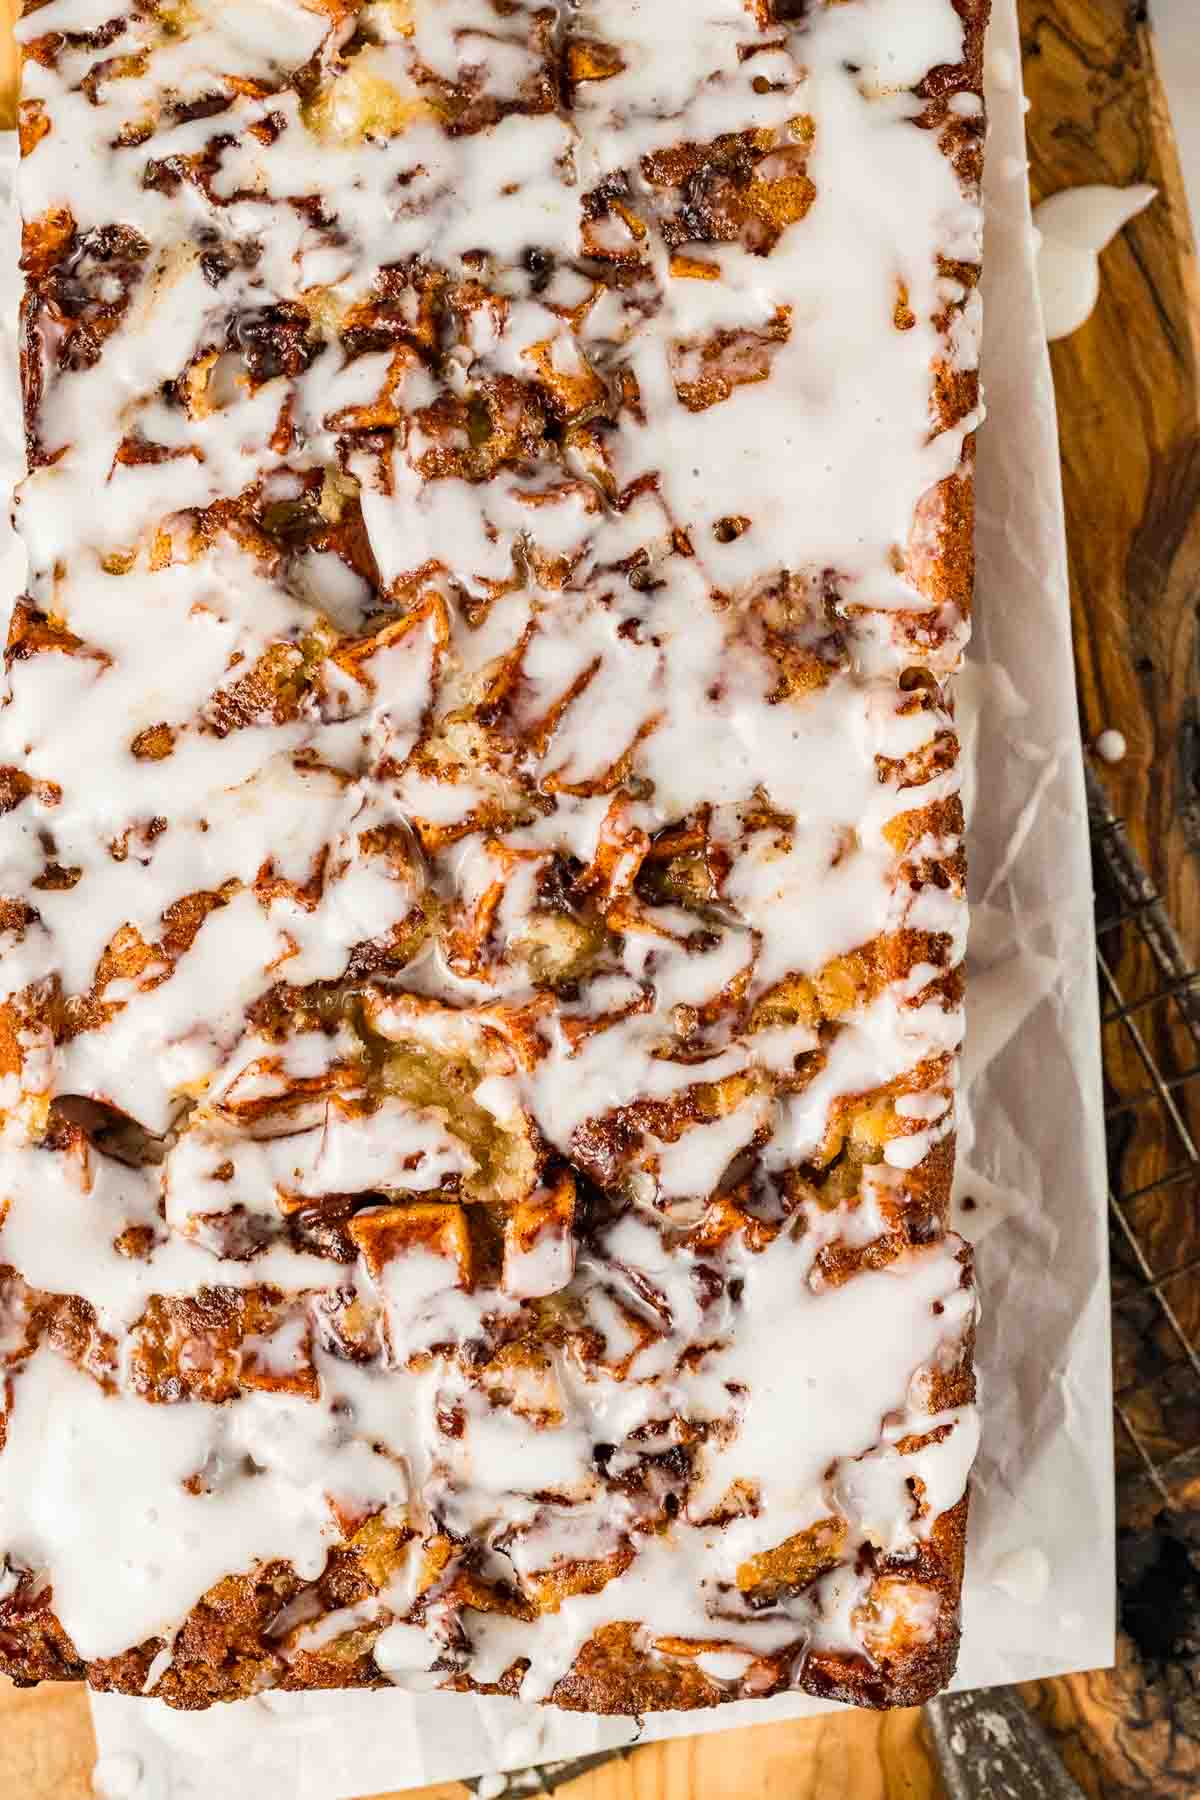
[[482, 888]]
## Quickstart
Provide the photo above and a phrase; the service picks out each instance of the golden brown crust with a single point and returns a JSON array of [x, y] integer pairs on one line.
[[247, 1631], [230, 1645]]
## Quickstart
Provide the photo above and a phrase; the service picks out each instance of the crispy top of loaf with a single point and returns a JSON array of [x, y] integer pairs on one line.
[[481, 884]]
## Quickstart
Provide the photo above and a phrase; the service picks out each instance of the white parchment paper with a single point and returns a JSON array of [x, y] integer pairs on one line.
[[1039, 1594]]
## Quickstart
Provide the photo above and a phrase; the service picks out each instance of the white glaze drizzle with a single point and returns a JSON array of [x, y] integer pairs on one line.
[[1073, 227], [291, 732]]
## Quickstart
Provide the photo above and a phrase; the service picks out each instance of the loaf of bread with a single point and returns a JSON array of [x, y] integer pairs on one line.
[[481, 875]]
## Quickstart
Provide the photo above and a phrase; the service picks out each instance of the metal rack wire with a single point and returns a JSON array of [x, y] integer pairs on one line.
[[545, 1778], [1150, 1020]]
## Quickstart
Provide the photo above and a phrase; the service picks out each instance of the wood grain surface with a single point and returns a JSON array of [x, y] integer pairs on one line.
[[1127, 393], [1127, 390], [1128, 406], [47, 1751]]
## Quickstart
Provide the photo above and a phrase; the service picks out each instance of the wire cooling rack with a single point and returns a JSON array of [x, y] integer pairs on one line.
[[1150, 1020], [546, 1778]]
